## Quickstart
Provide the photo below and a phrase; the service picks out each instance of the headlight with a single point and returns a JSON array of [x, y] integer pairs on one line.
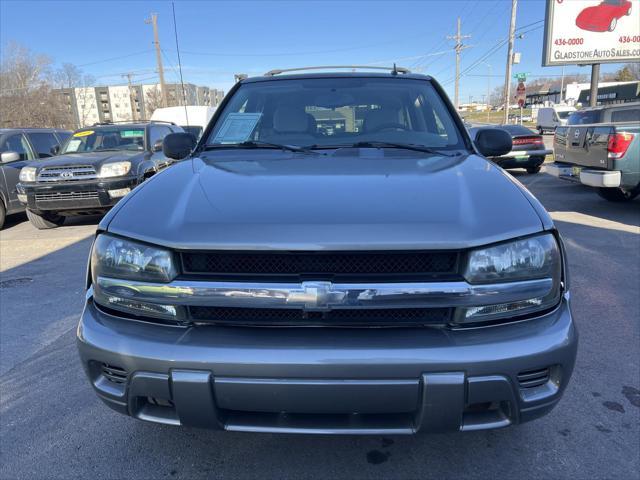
[[28, 174], [115, 169], [125, 259], [536, 259]]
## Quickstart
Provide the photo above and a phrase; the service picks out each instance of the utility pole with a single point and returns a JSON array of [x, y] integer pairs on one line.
[[131, 99], [458, 37], [507, 77], [163, 88]]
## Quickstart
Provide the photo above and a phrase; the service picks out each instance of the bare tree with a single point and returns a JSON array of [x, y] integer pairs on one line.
[[152, 100], [26, 95]]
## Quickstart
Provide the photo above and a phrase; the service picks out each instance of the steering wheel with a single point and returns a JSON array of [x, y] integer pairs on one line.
[[389, 126]]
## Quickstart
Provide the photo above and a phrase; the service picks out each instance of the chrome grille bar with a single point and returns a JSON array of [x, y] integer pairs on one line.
[[73, 173], [323, 296]]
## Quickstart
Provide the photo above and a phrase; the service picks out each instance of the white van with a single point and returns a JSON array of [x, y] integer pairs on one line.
[[551, 117], [192, 118]]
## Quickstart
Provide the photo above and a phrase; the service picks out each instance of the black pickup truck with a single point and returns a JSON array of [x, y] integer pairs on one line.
[[97, 166], [600, 147]]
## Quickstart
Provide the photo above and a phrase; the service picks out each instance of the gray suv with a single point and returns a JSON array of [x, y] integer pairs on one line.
[[17, 147], [334, 256]]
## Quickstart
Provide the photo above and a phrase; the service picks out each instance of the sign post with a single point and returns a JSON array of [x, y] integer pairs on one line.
[[521, 96]]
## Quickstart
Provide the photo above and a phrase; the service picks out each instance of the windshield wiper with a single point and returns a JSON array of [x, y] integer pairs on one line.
[[259, 144], [402, 146]]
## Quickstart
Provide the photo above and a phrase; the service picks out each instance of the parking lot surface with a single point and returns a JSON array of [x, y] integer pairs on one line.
[[53, 426]]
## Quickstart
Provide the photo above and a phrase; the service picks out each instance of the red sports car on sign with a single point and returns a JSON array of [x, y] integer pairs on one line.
[[603, 17]]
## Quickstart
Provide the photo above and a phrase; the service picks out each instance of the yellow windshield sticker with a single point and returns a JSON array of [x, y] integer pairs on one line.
[[84, 133]]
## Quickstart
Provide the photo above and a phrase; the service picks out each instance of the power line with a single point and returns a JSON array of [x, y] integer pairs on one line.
[[175, 31], [114, 58]]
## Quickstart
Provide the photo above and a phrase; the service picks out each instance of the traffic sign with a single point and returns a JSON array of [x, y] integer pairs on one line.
[[521, 77]]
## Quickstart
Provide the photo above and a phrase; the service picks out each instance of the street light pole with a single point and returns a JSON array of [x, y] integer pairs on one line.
[[507, 78]]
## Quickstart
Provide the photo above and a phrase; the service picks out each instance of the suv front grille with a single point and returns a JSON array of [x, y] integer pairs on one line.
[[296, 317], [67, 174], [321, 265], [55, 196]]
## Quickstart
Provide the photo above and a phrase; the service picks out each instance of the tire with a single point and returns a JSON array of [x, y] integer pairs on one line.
[[618, 194], [3, 214], [541, 130], [45, 221], [612, 25], [628, 11], [533, 170]]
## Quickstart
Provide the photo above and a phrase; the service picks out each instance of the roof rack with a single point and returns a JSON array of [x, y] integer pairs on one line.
[[394, 70]]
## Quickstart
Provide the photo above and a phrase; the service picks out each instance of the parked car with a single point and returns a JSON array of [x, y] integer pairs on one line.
[[528, 150], [384, 278], [603, 17], [17, 147], [601, 148], [551, 117], [97, 166], [192, 118]]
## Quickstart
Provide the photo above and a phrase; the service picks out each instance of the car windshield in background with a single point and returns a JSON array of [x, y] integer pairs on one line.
[[194, 130], [516, 130], [116, 138], [337, 112], [564, 115], [585, 117]]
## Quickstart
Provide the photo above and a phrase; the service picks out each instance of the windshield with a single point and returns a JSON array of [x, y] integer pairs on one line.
[[112, 138], [335, 112], [194, 130], [584, 117], [564, 114]]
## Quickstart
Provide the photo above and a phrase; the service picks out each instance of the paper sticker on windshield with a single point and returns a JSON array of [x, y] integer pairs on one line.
[[237, 127], [73, 145], [131, 133], [85, 133]]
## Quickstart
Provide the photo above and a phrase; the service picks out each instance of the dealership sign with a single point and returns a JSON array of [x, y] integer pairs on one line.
[[591, 31]]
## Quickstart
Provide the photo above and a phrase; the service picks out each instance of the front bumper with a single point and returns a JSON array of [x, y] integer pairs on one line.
[[73, 196], [329, 380]]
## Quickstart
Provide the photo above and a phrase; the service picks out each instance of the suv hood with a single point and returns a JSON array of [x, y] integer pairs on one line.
[[301, 202], [90, 158]]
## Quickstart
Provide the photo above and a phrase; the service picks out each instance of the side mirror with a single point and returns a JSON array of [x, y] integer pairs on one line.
[[55, 150], [493, 142], [157, 147], [178, 145], [8, 157]]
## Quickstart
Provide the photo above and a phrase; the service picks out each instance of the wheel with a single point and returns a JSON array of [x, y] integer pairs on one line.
[[3, 214], [618, 194], [628, 11], [612, 25], [533, 170], [541, 130], [45, 221]]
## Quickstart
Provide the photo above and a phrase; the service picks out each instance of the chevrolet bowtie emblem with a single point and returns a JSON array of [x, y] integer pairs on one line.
[[316, 296]]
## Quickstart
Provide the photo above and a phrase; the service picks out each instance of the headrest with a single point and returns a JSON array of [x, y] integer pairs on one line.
[[287, 119]]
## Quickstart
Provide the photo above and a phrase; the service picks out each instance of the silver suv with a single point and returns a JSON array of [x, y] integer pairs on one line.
[[334, 256]]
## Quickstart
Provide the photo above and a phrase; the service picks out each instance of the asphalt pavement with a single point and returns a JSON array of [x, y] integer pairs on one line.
[[53, 426]]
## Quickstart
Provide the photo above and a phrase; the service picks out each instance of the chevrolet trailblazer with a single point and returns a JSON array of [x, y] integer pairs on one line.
[[334, 256]]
